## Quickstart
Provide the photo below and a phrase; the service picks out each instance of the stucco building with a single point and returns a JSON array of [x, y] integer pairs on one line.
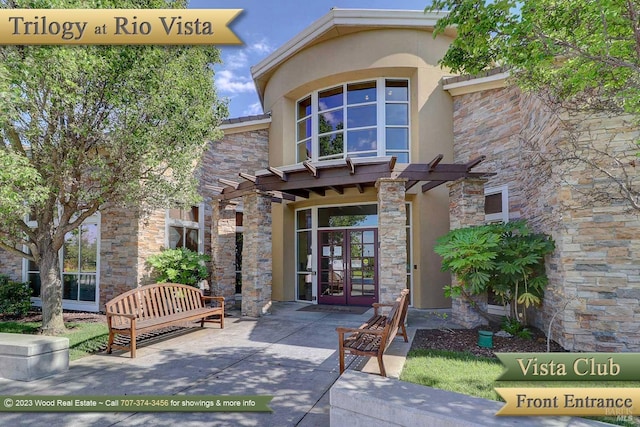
[[368, 152]]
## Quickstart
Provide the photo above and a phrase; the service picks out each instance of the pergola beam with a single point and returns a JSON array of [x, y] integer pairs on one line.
[[248, 177], [311, 168], [278, 172], [229, 183], [475, 162], [433, 163], [431, 185]]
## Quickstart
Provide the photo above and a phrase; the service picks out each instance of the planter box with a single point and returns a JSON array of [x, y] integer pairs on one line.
[[29, 357]]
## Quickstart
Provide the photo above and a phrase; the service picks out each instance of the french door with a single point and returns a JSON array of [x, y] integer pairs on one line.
[[348, 266]]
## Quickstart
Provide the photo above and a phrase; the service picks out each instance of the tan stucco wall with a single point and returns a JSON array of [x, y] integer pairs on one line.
[[406, 53]]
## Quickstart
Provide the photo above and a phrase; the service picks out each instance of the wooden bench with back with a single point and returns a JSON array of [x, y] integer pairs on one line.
[[374, 337], [158, 306]]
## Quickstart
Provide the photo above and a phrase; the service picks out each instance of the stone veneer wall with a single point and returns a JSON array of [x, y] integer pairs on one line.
[[392, 238], [466, 207], [237, 152], [10, 265], [595, 271], [247, 152], [257, 264]]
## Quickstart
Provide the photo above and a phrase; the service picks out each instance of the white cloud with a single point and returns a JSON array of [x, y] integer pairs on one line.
[[229, 82], [253, 109], [236, 60], [262, 46]]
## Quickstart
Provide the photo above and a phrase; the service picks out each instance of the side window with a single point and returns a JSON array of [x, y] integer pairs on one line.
[[185, 228], [496, 209], [496, 204]]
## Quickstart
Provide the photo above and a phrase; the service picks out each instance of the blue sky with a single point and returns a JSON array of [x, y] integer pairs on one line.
[[263, 26]]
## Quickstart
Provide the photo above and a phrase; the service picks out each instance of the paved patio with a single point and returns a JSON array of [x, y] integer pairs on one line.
[[291, 355]]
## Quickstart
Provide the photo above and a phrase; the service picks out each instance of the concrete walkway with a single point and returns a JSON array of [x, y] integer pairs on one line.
[[290, 355]]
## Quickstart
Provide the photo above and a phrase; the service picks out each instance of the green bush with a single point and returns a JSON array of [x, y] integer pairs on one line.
[[15, 297], [179, 265], [506, 259]]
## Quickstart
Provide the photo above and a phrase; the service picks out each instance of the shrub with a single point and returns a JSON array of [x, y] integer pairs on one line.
[[506, 259], [179, 265], [15, 297]]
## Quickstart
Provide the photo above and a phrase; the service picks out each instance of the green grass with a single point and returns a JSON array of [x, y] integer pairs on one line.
[[84, 338], [476, 376], [454, 371]]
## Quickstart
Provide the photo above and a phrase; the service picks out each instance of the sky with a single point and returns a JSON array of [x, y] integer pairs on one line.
[[264, 26]]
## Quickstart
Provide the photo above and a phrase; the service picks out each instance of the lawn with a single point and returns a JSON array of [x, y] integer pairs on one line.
[[472, 375], [85, 338]]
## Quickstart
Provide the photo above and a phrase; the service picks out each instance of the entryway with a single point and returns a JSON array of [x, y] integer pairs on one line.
[[348, 266]]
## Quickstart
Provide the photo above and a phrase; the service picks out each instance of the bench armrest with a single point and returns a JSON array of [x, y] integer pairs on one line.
[[220, 299], [378, 305], [341, 331], [128, 316]]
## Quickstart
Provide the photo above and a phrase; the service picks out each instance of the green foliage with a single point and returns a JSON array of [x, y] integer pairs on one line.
[[15, 297], [504, 258], [88, 126], [583, 54], [515, 328], [470, 254], [179, 265]]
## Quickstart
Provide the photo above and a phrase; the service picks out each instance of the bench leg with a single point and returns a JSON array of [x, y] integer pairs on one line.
[[132, 345], [110, 342], [341, 351], [381, 365], [404, 332]]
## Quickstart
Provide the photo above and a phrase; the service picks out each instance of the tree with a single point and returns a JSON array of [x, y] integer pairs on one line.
[[88, 127], [582, 58]]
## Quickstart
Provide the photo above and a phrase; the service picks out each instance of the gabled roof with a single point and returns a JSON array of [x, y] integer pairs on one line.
[[340, 22]]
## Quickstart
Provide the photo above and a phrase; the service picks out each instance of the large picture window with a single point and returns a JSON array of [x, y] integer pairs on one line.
[[79, 267], [359, 119]]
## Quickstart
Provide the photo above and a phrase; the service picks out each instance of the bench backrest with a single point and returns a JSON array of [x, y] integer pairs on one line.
[[396, 315], [153, 301]]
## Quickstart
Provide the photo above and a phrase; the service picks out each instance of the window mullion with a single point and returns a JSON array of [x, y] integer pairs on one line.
[[380, 117], [345, 120], [315, 143]]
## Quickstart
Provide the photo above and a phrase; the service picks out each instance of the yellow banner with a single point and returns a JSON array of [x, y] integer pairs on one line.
[[117, 26], [570, 401]]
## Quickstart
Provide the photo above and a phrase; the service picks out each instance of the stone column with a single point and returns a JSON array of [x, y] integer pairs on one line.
[[256, 255], [392, 238], [223, 251], [466, 208]]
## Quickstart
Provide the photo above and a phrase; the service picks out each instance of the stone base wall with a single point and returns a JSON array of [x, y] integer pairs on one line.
[[11, 265], [392, 238], [594, 273], [256, 256]]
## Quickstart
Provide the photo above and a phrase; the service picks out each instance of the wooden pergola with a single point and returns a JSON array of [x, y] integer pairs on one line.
[[300, 180]]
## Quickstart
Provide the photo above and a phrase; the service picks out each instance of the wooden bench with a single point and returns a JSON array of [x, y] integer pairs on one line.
[[374, 336], [155, 307]]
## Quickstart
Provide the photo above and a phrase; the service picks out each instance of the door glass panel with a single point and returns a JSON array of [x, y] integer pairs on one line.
[[332, 274]]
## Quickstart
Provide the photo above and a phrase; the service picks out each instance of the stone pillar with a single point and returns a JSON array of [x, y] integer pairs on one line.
[[223, 251], [392, 238], [466, 208], [256, 255]]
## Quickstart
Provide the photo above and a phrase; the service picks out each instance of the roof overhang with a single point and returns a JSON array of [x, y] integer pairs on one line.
[[339, 22], [301, 180], [461, 85]]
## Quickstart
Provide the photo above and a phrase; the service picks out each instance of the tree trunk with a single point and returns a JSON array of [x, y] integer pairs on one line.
[[51, 292]]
